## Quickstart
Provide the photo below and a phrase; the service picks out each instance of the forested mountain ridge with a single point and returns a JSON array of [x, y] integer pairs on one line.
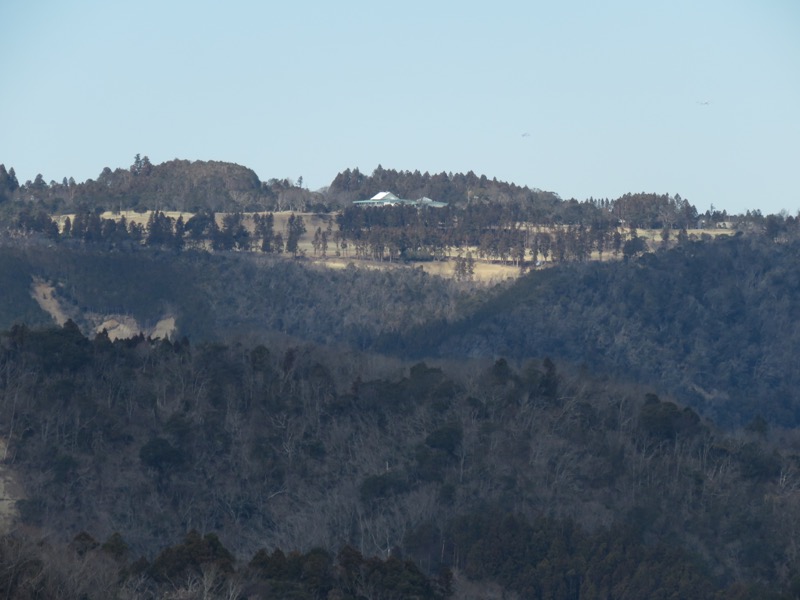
[[181, 185]]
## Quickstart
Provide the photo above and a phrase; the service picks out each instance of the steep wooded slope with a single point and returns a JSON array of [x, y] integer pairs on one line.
[[714, 322]]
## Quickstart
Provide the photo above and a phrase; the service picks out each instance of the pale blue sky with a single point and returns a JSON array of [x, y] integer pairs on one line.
[[700, 98]]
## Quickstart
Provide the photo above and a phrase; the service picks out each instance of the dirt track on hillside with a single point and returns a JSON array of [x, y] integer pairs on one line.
[[117, 326], [10, 492]]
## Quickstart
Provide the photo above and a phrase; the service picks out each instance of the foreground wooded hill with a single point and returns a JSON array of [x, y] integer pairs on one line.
[[542, 480]]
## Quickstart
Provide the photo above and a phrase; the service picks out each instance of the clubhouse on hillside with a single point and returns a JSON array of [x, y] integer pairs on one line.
[[389, 199]]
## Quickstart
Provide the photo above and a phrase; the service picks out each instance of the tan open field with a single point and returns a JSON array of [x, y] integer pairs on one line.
[[485, 272]]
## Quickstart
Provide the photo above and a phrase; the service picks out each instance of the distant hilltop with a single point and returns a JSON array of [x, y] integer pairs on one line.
[[175, 185], [196, 186], [214, 186]]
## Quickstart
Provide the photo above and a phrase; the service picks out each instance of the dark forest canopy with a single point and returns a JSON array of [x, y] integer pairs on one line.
[[539, 479]]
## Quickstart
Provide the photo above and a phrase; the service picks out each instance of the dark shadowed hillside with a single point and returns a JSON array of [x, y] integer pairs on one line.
[[226, 295], [715, 323]]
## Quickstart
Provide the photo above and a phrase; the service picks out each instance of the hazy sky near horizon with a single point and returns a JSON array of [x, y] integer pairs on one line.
[[583, 98]]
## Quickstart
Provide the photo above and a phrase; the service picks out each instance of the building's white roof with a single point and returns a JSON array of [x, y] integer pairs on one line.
[[389, 199], [384, 196]]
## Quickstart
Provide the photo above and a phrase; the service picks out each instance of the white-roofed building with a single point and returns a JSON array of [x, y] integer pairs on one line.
[[389, 199], [384, 196]]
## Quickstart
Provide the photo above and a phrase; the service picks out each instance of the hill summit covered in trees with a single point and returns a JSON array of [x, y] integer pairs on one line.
[[181, 185]]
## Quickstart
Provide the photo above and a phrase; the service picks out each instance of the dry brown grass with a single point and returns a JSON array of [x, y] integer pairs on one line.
[[484, 271]]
